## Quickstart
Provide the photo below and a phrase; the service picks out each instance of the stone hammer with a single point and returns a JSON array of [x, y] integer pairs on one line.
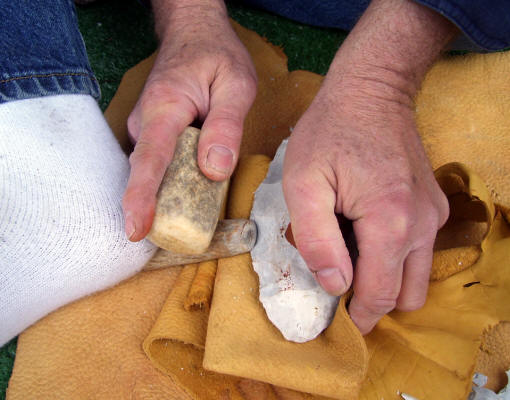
[[186, 222]]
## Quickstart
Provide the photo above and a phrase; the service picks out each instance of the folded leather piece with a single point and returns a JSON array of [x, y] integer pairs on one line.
[[201, 289], [431, 353], [92, 348], [176, 344], [458, 243], [242, 341]]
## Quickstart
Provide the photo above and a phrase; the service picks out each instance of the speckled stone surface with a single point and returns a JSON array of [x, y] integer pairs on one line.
[[189, 203]]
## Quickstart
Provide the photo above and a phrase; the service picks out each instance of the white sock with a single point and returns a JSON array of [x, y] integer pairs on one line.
[[62, 176]]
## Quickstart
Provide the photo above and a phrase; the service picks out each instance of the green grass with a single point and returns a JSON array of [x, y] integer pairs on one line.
[[7, 354], [306, 47], [119, 33]]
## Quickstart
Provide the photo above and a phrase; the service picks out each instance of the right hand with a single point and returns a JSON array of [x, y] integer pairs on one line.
[[202, 72]]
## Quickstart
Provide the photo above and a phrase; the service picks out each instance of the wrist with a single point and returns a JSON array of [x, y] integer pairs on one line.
[[195, 15], [390, 49]]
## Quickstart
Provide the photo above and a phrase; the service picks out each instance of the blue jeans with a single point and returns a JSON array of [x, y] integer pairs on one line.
[[486, 23], [42, 52]]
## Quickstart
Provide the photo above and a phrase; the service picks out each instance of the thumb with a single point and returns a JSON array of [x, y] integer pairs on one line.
[[311, 204], [222, 130]]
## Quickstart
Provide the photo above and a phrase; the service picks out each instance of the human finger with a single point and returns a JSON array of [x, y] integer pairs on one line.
[[415, 280], [220, 139], [311, 205], [383, 243], [152, 154]]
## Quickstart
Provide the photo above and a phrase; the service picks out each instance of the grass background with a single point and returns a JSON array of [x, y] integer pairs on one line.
[[119, 33]]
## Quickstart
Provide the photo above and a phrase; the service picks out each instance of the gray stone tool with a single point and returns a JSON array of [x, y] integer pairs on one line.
[[294, 302]]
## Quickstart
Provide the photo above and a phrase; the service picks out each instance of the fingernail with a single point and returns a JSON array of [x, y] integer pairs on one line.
[[130, 226], [219, 158], [332, 280]]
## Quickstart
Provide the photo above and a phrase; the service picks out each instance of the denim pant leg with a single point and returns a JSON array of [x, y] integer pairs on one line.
[[341, 14], [485, 24], [42, 52]]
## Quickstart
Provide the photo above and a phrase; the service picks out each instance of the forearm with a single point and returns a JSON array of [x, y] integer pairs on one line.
[[390, 49], [175, 13]]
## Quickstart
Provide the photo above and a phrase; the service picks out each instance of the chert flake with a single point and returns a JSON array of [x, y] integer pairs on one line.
[[294, 302]]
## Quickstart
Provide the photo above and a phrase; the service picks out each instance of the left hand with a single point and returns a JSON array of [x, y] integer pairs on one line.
[[356, 152], [362, 157]]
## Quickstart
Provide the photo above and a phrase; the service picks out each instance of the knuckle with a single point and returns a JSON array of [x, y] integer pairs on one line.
[[227, 123], [133, 122], [145, 188], [381, 305], [426, 231], [403, 197], [430, 228], [304, 196], [401, 214], [318, 253], [158, 95], [223, 130], [248, 84], [291, 181], [147, 153], [443, 210], [400, 227], [151, 91], [242, 72], [308, 247], [242, 75], [296, 180], [412, 304]]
